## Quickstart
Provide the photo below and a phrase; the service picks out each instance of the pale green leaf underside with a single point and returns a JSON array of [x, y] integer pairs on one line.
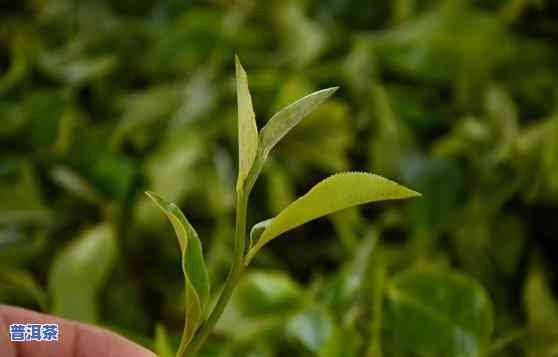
[[287, 118], [247, 129], [193, 313], [196, 277], [258, 229], [335, 193]]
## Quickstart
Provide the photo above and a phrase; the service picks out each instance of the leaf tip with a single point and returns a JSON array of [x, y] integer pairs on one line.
[[152, 196], [158, 200], [329, 91], [238, 65], [413, 193]]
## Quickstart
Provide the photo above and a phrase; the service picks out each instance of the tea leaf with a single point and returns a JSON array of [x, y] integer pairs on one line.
[[433, 313], [333, 194], [287, 118], [193, 265], [79, 271], [247, 129]]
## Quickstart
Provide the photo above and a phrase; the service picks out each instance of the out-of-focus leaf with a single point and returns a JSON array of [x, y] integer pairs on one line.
[[349, 226], [541, 308], [261, 348], [322, 141], [141, 110], [287, 118], [469, 137], [360, 65], [200, 96], [79, 271], [247, 129], [19, 246], [11, 115], [448, 40], [303, 39], [186, 42], [75, 184], [313, 328], [268, 292], [21, 201], [18, 69], [113, 174], [180, 155], [439, 179], [353, 279], [260, 306], [536, 146], [44, 111], [77, 71], [24, 285], [162, 344], [333, 194], [501, 110], [392, 141], [280, 188], [196, 277], [438, 313], [121, 297], [508, 244]]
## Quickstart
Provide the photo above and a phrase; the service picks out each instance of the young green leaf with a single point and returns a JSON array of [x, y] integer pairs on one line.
[[193, 266], [287, 118], [333, 194], [247, 129], [88, 258]]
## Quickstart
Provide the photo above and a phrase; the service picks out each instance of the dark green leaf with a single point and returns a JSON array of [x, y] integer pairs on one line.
[[436, 313]]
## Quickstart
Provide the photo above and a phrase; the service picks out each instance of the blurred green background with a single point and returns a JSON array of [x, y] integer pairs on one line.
[[101, 100]]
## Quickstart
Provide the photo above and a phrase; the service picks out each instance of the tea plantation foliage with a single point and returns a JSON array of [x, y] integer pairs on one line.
[[101, 100]]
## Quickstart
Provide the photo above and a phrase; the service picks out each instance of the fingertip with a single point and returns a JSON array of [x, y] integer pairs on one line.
[[92, 341], [77, 339]]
